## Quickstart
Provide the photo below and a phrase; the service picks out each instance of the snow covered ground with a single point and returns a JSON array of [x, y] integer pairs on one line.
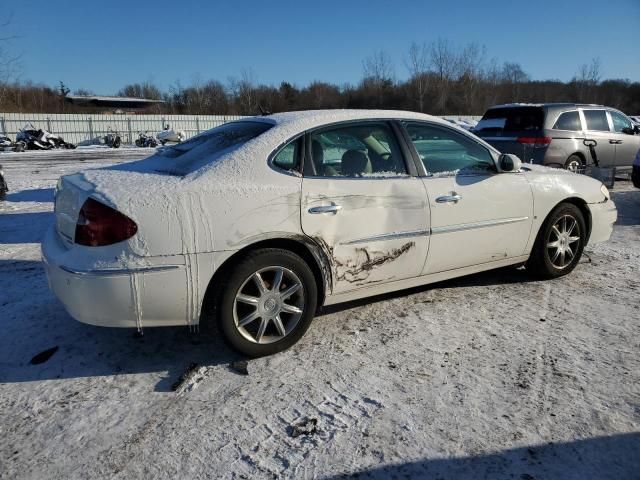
[[489, 376]]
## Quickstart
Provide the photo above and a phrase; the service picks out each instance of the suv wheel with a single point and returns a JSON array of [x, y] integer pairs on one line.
[[574, 164], [268, 302]]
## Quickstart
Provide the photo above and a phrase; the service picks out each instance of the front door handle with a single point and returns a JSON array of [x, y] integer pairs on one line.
[[453, 198], [615, 142], [325, 209]]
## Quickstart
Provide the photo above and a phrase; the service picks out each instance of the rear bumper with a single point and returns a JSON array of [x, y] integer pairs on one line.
[[149, 296], [603, 216]]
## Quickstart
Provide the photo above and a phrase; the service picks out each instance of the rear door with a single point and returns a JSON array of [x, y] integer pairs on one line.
[[363, 206], [627, 142], [596, 122], [477, 214]]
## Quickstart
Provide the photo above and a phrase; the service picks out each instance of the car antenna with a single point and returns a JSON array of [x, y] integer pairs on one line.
[[263, 112]]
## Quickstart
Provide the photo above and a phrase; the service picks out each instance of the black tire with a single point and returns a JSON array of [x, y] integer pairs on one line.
[[239, 279], [541, 262], [635, 177], [116, 142], [574, 163]]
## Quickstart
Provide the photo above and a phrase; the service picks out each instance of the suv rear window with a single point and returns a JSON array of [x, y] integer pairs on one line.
[[568, 121], [512, 119]]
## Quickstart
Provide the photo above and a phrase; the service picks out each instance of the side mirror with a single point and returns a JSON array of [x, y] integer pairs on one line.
[[636, 128], [630, 130], [508, 162]]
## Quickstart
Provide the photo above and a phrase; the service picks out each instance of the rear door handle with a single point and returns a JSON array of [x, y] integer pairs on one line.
[[615, 142], [325, 209], [454, 198]]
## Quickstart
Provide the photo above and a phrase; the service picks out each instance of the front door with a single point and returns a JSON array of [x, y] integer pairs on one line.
[[477, 214], [627, 142], [597, 128], [361, 205]]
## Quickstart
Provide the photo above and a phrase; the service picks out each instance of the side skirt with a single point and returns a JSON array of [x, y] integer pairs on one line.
[[421, 280]]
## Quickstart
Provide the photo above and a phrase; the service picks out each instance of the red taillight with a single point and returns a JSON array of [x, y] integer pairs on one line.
[[535, 142], [99, 225]]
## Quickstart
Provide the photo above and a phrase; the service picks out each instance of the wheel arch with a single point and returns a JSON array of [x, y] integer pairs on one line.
[[582, 206], [301, 245]]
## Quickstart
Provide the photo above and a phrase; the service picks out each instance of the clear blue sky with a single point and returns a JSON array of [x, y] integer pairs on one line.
[[102, 46]]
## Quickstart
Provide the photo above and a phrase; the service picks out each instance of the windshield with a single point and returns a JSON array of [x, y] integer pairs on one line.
[[206, 148]]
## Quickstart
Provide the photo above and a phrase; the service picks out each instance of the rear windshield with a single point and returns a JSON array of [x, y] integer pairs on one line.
[[512, 119], [206, 148]]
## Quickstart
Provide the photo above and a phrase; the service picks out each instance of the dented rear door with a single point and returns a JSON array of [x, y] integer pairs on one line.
[[373, 230]]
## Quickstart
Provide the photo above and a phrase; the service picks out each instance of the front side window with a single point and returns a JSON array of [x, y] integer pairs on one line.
[[356, 150], [568, 121], [446, 152], [596, 120], [620, 122]]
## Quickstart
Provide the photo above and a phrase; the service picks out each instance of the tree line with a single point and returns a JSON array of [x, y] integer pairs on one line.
[[440, 78]]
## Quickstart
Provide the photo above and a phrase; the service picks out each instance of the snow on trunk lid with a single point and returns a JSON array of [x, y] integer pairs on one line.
[[71, 193]]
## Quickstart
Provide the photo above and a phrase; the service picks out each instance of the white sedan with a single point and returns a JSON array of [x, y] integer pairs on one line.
[[269, 218]]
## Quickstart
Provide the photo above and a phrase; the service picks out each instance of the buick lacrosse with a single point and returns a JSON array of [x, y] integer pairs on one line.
[[272, 217]]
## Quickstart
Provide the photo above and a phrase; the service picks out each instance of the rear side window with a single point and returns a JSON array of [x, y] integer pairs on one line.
[[357, 150], [596, 120], [512, 119], [569, 121], [289, 157]]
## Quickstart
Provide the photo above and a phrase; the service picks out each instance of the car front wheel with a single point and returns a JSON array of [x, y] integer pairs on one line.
[[559, 244], [267, 303]]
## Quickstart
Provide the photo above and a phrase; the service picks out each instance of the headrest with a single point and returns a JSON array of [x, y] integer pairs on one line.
[[355, 163]]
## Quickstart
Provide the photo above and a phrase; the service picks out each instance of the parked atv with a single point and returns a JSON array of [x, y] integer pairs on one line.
[[38, 139], [3, 184], [170, 135], [112, 138], [145, 140], [7, 144]]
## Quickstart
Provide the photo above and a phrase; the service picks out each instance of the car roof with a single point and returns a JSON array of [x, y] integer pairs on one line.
[[549, 106], [308, 119]]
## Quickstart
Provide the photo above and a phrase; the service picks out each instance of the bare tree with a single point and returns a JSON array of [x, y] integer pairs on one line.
[[470, 70], [9, 62], [513, 76], [444, 62], [378, 67], [243, 91], [418, 66], [587, 79]]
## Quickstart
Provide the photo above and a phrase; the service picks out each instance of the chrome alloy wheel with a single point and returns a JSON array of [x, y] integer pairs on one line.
[[268, 305], [563, 242]]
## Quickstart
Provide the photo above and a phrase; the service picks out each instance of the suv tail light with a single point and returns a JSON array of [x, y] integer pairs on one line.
[[535, 142], [99, 225]]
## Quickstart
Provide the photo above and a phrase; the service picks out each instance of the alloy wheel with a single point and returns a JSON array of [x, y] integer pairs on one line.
[[268, 305], [563, 242]]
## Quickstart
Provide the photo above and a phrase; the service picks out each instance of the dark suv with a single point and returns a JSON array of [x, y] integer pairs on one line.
[[554, 134]]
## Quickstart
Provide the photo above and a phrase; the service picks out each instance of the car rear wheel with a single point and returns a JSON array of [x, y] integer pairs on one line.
[[267, 303], [559, 244], [574, 164]]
